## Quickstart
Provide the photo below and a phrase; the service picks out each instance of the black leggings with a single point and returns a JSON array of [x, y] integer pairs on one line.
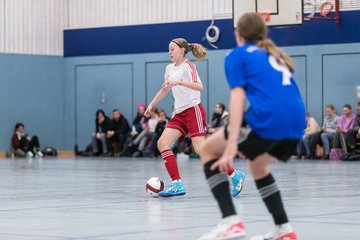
[[33, 145]]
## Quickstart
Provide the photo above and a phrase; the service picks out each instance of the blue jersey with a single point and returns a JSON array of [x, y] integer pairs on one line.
[[276, 109]]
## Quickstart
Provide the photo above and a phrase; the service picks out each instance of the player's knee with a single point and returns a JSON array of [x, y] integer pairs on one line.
[[162, 144], [197, 149], [203, 149], [259, 171]]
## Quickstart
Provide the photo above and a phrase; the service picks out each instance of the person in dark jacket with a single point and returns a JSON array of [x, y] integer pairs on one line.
[[119, 129], [218, 119], [139, 121], [137, 126], [24, 145], [353, 135], [102, 123]]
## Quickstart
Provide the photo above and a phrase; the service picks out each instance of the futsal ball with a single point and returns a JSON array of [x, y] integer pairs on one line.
[[154, 185]]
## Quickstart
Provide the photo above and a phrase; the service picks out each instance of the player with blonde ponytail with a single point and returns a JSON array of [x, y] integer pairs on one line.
[[277, 53], [182, 78]]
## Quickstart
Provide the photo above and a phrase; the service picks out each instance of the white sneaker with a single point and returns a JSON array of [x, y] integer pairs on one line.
[[29, 154], [40, 154], [229, 228], [280, 232], [182, 157]]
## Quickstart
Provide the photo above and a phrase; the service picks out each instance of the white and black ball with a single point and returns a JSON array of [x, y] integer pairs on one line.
[[154, 185]]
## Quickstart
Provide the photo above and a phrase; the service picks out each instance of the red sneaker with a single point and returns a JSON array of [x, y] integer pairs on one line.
[[229, 228], [279, 233]]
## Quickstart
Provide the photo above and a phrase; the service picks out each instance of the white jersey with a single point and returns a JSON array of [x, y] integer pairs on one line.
[[184, 97]]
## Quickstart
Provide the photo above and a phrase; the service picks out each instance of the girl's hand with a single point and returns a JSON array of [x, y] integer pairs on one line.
[[148, 111], [226, 160], [166, 85], [176, 83]]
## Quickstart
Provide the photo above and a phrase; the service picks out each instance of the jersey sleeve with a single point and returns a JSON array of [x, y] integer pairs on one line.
[[234, 69], [191, 71]]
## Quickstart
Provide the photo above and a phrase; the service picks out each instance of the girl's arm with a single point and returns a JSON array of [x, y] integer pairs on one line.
[[197, 86], [237, 106], [160, 95]]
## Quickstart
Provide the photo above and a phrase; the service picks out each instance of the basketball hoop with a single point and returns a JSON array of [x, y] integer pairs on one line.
[[266, 16], [326, 8]]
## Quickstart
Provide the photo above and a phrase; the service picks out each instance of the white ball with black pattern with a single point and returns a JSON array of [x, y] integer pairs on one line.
[[154, 185]]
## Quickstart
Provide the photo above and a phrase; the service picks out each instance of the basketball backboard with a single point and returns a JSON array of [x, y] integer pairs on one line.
[[277, 12]]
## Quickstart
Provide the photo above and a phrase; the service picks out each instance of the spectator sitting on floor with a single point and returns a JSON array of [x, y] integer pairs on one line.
[[23, 145], [312, 127], [163, 121], [102, 125], [329, 129], [345, 123], [137, 126], [119, 130], [147, 133], [139, 121], [326, 135], [353, 135], [219, 118]]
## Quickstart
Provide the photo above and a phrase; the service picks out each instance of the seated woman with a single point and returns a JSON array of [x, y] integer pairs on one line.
[[312, 127], [138, 125], [329, 129], [353, 135], [345, 123], [147, 133], [23, 145], [102, 123], [160, 127], [139, 121]]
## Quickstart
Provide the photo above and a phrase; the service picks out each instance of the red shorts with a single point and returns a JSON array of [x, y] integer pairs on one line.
[[191, 120]]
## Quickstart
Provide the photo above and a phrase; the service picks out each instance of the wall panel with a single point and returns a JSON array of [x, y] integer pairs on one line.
[[32, 93], [101, 86], [339, 79], [300, 74], [33, 26], [91, 13]]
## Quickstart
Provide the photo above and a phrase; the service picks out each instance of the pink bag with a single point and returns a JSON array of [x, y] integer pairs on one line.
[[336, 154]]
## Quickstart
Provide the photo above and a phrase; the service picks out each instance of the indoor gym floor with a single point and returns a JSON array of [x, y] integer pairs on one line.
[[105, 199]]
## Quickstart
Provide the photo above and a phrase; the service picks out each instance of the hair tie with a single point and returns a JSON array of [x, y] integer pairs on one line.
[[176, 43]]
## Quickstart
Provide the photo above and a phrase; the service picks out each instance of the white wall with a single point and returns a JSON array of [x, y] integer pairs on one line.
[[33, 26], [91, 13], [2, 25]]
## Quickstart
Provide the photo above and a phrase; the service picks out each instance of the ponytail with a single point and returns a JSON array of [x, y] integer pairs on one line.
[[198, 50], [280, 56]]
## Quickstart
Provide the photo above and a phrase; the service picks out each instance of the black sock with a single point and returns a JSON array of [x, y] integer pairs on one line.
[[270, 194], [219, 185]]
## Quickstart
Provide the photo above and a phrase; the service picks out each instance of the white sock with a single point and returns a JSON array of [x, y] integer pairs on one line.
[[231, 219], [286, 227], [179, 180]]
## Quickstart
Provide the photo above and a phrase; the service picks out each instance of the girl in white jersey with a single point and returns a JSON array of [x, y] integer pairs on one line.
[[190, 117]]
